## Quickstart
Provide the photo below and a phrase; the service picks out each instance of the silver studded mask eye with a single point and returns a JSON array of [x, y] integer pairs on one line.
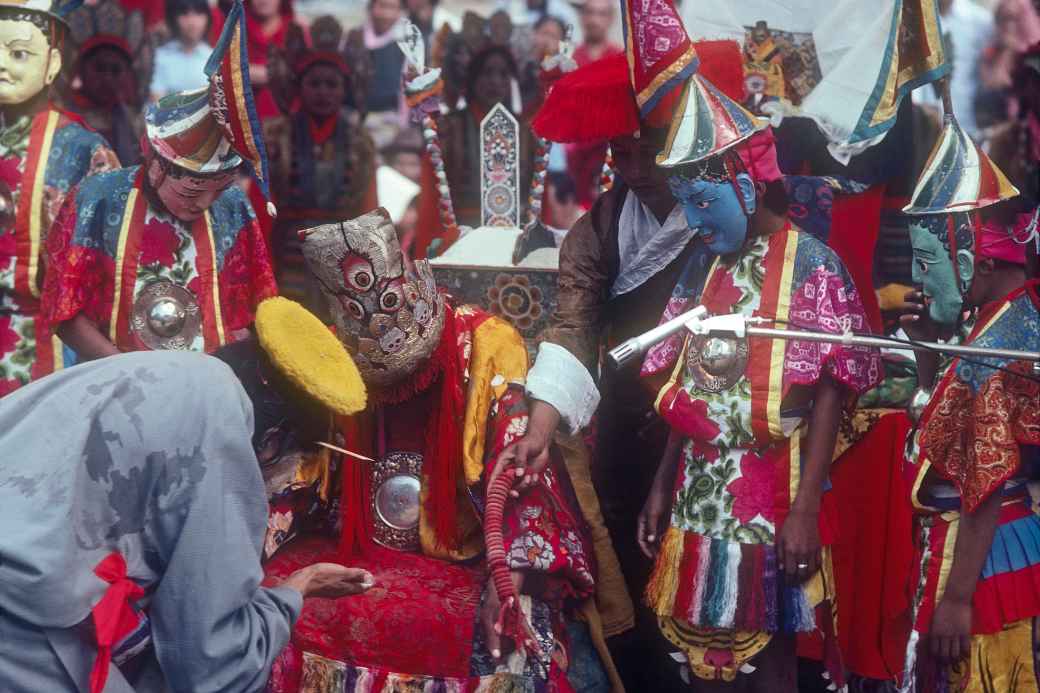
[[389, 316]]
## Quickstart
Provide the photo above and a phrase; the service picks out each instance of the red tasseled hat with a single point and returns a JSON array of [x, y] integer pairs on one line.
[[593, 103], [596, 103]]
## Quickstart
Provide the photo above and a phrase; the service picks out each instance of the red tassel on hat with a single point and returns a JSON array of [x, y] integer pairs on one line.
[[595, 102], [591, 104], [722, 64]]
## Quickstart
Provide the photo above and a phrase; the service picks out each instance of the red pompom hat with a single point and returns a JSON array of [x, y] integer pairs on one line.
[[597, 102]]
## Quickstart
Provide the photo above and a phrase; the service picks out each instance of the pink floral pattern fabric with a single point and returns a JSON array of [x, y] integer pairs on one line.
[[662, 356], [728, 477], [718, 433], [753, 492], [827, 303]]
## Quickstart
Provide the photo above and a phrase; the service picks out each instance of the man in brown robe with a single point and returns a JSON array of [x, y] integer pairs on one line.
[[619, 267]]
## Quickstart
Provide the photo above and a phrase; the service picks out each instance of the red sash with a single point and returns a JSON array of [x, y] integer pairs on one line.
[[114, 616]]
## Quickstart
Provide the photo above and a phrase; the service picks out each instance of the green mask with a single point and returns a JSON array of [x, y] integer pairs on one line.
[[943, 283]]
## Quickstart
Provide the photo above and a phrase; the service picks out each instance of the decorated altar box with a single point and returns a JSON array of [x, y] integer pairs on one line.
[[478, 270]]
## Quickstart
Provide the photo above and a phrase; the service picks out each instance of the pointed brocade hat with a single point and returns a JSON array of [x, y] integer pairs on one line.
[[660, 55], [215, 128], [706, 123], [958, 177]]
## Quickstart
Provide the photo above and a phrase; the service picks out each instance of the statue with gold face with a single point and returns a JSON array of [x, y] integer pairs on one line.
[[44, 152]]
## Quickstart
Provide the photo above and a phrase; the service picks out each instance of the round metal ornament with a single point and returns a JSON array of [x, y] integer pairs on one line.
[[716, 363], [166, 316], [395, 500]]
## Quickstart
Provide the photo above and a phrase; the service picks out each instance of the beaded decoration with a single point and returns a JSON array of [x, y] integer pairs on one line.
[[553, 67], [422, 88], [715, 169], [537, 193], [433, 148]]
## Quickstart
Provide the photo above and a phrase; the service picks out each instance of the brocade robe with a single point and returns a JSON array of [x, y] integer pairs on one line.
[[980, 435], [716, 585], [419, 625], [109, 243], [41, 159]]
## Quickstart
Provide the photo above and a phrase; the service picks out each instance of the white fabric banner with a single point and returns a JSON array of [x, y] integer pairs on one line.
[[843, 63]]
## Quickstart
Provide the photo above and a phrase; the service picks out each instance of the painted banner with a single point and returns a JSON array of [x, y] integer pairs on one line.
[[846, 64]]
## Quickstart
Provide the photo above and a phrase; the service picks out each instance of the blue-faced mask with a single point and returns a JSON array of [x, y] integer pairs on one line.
[[943, 283], [715, 209]]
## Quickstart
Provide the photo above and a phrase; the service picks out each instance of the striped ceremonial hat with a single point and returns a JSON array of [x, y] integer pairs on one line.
[[59, 9], [660, 55], [706, 123], [958, 177], [216, 128]]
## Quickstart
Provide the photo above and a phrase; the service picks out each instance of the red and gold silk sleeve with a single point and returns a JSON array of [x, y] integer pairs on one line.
[[974, 439], [246, 278], [79, 278], [543, 530]]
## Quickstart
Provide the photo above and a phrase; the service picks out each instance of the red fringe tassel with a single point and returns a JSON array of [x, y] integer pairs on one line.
[[354, 536], [443, 454]]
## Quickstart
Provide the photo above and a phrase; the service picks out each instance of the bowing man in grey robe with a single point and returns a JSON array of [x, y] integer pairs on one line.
[[133, 512]]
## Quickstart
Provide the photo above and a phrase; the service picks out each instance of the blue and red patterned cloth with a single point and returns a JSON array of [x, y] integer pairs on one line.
[[976, 436], [108, 224], [41, 159]]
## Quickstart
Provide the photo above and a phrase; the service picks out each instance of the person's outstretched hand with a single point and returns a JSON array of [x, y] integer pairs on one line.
[[530, 454], [329, 581]]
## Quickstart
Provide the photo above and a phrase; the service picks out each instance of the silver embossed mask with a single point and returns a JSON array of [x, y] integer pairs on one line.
[[389, 317]]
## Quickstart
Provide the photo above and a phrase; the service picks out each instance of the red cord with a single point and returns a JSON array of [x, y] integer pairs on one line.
[[512, 622]]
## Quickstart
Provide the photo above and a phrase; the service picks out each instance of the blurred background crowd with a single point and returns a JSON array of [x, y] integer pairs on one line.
[[327, 79]]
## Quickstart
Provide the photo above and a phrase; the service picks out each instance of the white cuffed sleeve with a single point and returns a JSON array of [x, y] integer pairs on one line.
[[560, 379]]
